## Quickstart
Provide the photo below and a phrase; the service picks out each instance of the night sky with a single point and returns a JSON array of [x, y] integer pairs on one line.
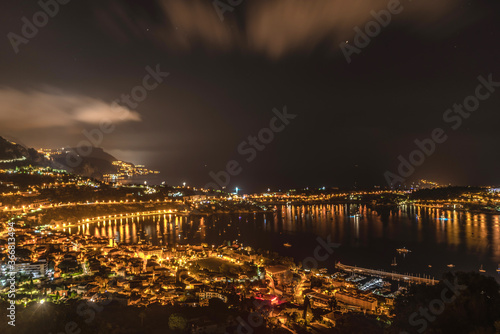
[[226, 77]]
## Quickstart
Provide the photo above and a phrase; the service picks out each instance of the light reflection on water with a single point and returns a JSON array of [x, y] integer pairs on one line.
[[368, 238]]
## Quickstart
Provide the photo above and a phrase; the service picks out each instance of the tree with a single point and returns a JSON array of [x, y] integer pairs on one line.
[[177, 322], [31, 286]]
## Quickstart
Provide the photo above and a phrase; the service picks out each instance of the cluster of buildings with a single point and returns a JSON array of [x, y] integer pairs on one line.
[[319, 196], [487, 199], [124, 169], [93, 268], [51, 153], [127, 169], [134, 274]]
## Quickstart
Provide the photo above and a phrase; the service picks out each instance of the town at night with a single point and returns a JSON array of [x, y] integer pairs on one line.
[[241, 167]]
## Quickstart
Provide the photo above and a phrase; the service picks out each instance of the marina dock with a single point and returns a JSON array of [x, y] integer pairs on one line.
[[386, 274]]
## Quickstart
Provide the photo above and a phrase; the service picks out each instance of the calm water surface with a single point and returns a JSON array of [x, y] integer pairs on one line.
[[370, 239]]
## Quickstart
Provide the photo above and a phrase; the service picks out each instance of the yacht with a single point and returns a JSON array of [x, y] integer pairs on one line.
[[287, 245], [403, 250], [451, 265]]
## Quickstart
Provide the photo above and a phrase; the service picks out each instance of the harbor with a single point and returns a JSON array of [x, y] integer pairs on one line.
[[389, 275]]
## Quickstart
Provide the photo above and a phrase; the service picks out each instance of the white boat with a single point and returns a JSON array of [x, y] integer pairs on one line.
[[498, 269], [403, 250], [481, 270], [287, 245], [451, 265]]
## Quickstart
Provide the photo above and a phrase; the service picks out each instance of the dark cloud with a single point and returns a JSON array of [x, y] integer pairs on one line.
[[273, 28], [30, 110]]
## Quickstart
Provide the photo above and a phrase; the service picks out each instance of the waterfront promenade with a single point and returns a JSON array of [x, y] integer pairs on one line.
[[120, 217]]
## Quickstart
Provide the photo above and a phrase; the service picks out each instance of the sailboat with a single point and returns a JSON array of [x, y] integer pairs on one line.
[[403, 250], [481, 270], [394, 263]]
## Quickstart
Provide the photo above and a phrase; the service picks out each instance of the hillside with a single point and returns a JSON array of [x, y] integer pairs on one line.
[[94, 165], [12, 155]]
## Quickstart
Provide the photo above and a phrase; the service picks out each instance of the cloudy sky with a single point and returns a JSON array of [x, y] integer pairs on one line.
[[226, 76]]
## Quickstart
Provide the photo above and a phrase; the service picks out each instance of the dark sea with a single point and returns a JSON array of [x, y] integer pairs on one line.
[[439, 240]]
